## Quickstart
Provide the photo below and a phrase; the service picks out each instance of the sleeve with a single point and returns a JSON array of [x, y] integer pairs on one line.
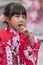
[[35, 49], [0, 52], [31, 53], [36, 44]]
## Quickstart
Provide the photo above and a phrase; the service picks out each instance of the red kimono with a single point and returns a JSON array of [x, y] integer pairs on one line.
[[15, 49]]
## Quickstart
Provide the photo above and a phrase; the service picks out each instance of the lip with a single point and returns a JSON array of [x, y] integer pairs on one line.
[[20, 25]]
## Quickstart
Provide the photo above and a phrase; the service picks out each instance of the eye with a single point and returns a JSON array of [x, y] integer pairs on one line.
[[24, 17], [17, 16]]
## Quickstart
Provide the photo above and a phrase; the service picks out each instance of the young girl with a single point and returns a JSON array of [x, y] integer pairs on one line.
[[18, 46]]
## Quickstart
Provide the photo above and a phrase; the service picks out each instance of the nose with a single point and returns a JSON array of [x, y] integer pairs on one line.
[[21, 19]]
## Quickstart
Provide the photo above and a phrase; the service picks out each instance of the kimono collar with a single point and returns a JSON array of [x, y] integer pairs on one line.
[[10, 30]]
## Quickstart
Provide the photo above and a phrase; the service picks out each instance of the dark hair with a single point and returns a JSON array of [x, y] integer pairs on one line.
[[14, 8]]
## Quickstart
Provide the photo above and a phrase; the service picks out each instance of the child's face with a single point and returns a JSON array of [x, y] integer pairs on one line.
[[17, 21]]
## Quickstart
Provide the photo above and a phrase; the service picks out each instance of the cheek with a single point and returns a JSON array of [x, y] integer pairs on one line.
[[15, 24], [13, 21], [24, 23]]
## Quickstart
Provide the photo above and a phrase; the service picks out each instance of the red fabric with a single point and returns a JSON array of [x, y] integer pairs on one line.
[[5, 35]]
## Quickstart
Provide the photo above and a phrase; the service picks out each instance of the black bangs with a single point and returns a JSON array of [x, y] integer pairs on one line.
[[14, 8], [17, 9]]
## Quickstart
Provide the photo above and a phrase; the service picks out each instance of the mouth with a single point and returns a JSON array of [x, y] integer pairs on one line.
[[20, 25]]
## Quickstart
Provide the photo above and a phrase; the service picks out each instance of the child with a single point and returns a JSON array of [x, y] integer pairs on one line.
[[17, 45]]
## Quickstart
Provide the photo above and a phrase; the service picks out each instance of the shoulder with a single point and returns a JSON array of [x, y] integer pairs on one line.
[[4, 35], [2, 32]]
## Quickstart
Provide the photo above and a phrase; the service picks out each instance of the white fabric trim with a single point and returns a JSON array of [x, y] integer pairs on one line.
[[9, 55]]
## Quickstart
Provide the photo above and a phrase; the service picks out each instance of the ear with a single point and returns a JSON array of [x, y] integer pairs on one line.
[[8, 19]]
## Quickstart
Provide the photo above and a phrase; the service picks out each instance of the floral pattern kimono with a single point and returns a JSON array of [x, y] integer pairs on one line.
[[15, 48]]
